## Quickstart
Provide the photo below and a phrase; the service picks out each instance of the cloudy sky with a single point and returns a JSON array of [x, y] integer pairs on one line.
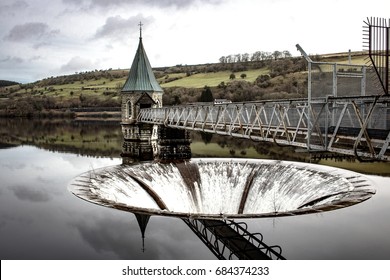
[[43, 38]]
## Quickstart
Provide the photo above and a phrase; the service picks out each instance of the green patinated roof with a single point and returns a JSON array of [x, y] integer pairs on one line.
[[141, 76]]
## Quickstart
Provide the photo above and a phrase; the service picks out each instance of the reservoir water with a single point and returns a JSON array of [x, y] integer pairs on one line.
[[41, 219]]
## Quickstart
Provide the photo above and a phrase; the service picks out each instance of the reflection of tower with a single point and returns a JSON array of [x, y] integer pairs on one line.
[[134, 151], [172, 144], [142, 220]]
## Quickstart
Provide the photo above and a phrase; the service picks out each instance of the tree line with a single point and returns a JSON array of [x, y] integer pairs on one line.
[[4, 83], [256, 56]]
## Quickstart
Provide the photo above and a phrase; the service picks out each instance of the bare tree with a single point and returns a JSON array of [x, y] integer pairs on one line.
[[245, 57], [276, 54], [266, 55], [256, 56], [222, 59], [229, 59], [286, 54]]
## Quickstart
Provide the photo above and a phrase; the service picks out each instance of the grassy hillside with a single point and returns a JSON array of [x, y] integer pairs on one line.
[[213, 79], [57, 95], [252, 81]]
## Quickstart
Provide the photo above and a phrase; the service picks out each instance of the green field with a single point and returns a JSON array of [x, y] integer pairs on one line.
[[201, 80]]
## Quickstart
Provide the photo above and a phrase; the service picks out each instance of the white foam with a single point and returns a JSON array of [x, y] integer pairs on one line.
[[219, 190]]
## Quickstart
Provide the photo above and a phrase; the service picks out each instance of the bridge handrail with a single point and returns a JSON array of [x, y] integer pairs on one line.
[[362, 123], [280, 101]]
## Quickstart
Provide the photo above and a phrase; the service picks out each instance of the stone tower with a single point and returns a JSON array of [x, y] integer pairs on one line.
[[143, 141], [141, 89]]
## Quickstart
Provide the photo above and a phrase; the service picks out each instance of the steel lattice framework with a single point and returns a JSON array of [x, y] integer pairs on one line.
[[376, 35], [358, 126], [232, 240]]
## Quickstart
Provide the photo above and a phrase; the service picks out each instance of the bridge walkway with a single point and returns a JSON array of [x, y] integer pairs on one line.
[[357, 126]]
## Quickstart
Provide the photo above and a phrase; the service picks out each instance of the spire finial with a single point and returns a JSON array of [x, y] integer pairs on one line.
[[140, 29]]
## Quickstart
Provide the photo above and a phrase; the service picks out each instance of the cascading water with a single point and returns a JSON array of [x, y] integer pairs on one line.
[[215, 188]]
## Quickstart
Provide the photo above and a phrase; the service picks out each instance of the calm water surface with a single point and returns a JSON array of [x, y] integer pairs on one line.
[[41, 219]]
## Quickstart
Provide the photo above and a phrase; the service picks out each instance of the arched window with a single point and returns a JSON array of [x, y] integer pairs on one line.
[[129, 109], [157, 103]]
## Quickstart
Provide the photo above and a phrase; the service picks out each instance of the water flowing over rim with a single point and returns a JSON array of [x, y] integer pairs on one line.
[[200, 186]]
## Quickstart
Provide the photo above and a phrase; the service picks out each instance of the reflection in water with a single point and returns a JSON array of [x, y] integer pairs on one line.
[[136, 151], [144, 142], [142, 220], [63, 227], [28, 194], [105, 138], [202, 189], [97, 139]]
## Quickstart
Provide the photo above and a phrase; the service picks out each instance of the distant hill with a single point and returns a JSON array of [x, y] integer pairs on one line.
[[236, 81], [5, 83]]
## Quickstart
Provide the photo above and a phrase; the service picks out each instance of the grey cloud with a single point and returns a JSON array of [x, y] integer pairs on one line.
[[30, 194], [73, 1], [13, 9], [44, 180], [154, 3], [12, 60], [117, 27], [36, 57], [76, 64], [34, 31], [20, 67], [41, 44]]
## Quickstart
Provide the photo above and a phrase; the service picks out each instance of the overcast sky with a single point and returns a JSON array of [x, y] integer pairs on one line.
[[43, 38]]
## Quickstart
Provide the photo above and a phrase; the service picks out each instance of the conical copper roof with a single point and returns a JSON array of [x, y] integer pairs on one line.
[[141, 77]]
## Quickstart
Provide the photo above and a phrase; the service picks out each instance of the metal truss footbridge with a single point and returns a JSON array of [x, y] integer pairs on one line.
[[345, 110], [358, 126]]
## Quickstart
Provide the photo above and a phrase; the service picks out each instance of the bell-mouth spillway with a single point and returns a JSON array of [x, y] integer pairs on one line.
[[222, 188]]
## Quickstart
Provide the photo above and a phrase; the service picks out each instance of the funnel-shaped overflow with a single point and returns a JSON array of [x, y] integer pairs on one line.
[[215, 188]]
